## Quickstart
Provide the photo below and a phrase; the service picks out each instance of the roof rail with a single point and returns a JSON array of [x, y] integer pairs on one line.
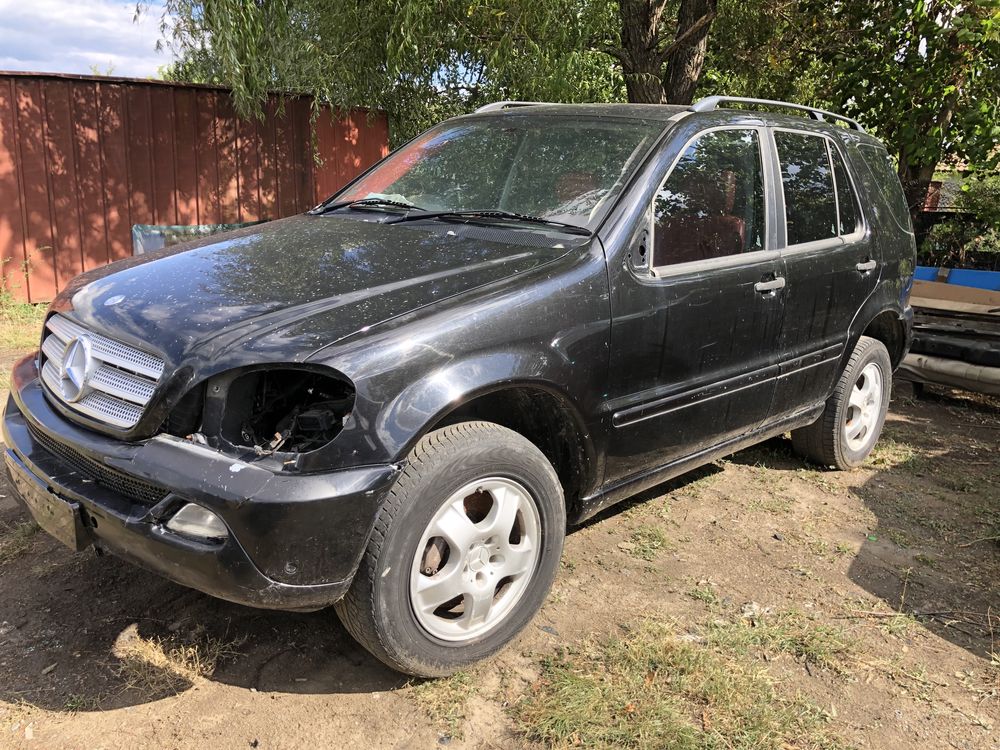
[[496, 106], [712, 103]]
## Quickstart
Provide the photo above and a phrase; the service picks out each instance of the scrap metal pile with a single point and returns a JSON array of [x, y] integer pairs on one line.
[[956, 337]]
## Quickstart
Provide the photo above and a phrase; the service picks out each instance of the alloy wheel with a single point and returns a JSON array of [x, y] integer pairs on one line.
[[475, 559]]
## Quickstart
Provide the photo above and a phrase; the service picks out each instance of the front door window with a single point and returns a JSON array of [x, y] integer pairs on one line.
[[712, 202]]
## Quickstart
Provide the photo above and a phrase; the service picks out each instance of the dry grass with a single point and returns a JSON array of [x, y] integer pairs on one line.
[[645, 543], [653, 687], [766, 634], [15, 539], [445, 700], [20, 330], [889, 453], [156, 667]]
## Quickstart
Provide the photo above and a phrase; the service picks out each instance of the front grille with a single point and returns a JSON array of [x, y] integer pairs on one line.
[[124, 484], [118, 379]]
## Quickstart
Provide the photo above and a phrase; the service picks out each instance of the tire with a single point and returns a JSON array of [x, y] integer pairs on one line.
[[851, 422], [490, 475]]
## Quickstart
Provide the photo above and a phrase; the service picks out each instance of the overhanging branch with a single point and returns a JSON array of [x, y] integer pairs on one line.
[[685, 38]]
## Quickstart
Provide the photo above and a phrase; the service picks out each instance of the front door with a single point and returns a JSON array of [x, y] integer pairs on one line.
[[693, 334], [831, 267]]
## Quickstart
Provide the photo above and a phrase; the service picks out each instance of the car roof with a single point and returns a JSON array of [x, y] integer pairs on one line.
[[670, 113]]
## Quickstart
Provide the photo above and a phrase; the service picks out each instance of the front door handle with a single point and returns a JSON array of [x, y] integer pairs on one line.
[[766, 287], [866, 266]]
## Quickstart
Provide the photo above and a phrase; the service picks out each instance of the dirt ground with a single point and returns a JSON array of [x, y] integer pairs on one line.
[[896, 564]]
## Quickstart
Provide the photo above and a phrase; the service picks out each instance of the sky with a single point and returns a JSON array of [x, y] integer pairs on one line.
[[75, 36]]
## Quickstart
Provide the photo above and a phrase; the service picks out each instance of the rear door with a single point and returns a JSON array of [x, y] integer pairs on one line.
[[694, 331], [829, 262]]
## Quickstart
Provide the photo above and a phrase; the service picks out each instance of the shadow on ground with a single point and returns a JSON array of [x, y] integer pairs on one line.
[[934, 551]]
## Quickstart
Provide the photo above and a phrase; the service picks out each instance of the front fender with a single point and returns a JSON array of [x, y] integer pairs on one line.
[[423, 404]]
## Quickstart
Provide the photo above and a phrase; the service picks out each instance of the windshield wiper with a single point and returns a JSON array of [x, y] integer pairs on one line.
[[492, 215], [374, 203]]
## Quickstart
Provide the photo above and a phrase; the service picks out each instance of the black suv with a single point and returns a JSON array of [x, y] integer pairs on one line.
[[396, 402]]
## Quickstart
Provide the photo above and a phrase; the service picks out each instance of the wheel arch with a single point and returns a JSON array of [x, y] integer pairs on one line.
[[537, 410], [889, 327]]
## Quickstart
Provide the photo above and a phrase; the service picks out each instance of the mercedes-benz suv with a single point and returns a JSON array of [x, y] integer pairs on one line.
[[396, 402]]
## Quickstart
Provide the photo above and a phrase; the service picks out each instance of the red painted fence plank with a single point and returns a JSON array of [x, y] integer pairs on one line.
[[13, 269], [114, 169], [35, 189]]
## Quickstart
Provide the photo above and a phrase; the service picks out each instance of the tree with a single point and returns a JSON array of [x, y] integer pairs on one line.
[[661, 58], [424, 59], [924, 75]]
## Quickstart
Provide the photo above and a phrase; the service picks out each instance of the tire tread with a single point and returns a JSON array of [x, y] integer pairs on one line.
[[817, 442]]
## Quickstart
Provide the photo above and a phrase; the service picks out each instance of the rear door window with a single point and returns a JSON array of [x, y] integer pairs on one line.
[[807, 182], [712, 203], [847, 202]]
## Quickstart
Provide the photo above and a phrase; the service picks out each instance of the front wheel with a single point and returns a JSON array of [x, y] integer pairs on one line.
[[463, 553], [852, 421]]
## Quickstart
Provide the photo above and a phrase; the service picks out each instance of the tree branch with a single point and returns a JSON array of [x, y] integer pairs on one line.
[[684, 39], [616, 52]]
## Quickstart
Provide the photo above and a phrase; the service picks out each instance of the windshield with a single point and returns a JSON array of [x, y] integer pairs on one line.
[[556, 168]]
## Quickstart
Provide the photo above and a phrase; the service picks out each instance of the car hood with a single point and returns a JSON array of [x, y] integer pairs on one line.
[[280, 291]]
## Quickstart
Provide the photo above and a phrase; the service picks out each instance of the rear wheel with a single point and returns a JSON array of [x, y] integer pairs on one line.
[[463, 552], [852, 420]]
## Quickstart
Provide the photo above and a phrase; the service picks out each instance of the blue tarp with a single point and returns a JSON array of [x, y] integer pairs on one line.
[[961, 277]]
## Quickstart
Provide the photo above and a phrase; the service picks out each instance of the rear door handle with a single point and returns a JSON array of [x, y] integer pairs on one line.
[[866, 266], [765, 287]]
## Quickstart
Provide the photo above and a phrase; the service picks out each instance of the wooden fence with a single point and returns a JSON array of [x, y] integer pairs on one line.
[[83, 158]]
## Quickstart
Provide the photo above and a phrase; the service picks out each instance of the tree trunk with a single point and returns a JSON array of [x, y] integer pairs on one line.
[[685, 63], [658, 73], [916, 179], [641, 65]]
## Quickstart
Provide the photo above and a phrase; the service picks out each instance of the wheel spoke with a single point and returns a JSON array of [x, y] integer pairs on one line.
[[477, 606], [854, 430], [456, 527], [503, 514], [518, 559], [858, 397], [433, 591]]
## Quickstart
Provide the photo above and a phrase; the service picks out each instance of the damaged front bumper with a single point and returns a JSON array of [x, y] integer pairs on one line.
[[294, 541]]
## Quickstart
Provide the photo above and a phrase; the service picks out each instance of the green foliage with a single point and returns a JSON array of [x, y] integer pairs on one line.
[[420, 60], [921, 74], [971, 237], [759, 49]]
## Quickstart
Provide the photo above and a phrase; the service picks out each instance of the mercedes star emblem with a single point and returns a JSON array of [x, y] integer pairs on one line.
[[77, 367]]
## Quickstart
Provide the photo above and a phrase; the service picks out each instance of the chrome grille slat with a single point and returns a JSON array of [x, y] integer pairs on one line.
[[110, 351], [96, 404], [52, 348], [122, 383]]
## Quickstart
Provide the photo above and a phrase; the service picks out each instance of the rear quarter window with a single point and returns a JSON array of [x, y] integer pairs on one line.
[[887, 183]]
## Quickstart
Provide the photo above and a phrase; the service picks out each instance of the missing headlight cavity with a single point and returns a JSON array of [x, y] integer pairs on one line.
[[286, 411]]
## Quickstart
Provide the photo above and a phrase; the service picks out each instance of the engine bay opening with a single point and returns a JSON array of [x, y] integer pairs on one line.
[[285, 411]]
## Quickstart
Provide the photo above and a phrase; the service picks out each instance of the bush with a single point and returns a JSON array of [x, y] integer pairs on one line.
[[970, 239]]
